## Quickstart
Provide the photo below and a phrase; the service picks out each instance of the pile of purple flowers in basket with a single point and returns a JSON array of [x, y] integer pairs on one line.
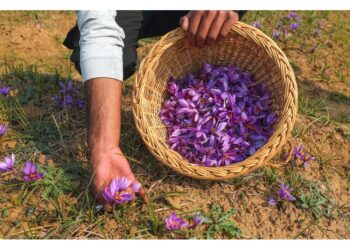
[[217, 116]]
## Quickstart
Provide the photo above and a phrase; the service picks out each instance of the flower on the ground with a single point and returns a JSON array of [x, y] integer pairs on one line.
[[5, 90], [294, 26], [256, 24], [195, 221], [175, 222], [304, 157], [3, 129], [292, 15], [275, 34], [31, 172], [120, 190], [68, 96], [272, 201], [8, 163], [317, 32], [284, 192]]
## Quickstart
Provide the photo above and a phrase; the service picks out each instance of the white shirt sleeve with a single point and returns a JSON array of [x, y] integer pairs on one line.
[[101, 45]]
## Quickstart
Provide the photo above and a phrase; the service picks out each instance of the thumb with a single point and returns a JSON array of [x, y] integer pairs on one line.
[[184, 21]]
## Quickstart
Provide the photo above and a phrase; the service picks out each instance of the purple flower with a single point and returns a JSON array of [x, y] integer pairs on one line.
[[275, 34], [3, 129], [67, 88], [67, 101], [292, 15], [317, 32], [217, 116], [136, 187], [5, 90], [195, 221], [272, 201], [119, 191], [294, 26], [305, 158], [256, 24], [68, 96], [172, 87], [79, 103], [284, 193], [173, 222], [8, 163], [31, 173]]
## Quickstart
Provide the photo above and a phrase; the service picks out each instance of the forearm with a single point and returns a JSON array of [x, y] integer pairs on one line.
[[104, 108]]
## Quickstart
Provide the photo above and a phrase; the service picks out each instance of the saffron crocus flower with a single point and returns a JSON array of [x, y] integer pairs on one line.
[[305, 158], [68, 96], [275, 34], [217, 116], [317, 32], [3, 129], [5, 90], [31, 172], [79, 103], [119, 191], [256, 24], [195, 221], [292, 15], [284, 192], [174, 222], [294, 26], [8, 163], [67, 88], [272, 201]]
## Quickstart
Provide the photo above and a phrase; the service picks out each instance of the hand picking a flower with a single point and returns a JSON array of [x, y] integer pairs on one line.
[[120, 190]]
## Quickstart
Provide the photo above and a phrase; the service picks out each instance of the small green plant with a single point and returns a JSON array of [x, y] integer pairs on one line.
[[316, 201], [221, 222]]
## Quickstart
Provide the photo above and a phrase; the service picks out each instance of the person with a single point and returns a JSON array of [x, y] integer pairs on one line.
[[104, 52]]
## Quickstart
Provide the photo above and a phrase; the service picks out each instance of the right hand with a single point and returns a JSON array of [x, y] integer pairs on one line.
[[105, 166]]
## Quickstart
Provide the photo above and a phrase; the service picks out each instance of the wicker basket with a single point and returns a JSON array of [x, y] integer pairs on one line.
[[245, 47]]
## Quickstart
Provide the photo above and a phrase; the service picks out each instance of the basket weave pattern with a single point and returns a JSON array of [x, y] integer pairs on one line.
[[245, 47]]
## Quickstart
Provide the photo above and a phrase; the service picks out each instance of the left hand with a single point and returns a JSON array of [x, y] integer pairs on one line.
[[206, 27]]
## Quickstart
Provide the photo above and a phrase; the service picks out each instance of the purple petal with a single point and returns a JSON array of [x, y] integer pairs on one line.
[[136, 187], [28, 168], [272, 201]]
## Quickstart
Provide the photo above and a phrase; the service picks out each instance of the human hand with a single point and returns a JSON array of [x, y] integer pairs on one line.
[[206, 27], [107, 165]]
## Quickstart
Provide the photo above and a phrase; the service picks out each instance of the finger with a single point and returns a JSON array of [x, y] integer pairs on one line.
[[231, 19], [194, 21], [107, 207], [215, 27], [97, 187], [184, 23], [141, 192], [143, 195], [203, 28]]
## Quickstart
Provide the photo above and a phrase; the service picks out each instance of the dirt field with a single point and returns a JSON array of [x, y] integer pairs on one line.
[[61, 206]]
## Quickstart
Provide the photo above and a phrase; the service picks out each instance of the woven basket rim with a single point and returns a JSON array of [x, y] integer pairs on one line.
[[256, 36]]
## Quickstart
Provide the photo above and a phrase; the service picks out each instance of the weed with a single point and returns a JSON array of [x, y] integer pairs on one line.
[[221, 222]]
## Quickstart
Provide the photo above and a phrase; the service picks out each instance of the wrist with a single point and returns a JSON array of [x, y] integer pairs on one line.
[[98, 144]]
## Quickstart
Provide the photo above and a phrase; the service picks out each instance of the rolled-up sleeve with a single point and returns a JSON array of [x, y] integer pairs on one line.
[[101, 45]]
